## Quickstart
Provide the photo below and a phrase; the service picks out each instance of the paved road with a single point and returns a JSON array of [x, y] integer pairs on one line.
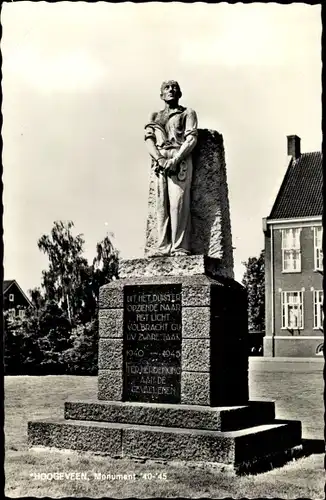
[[296, 386]]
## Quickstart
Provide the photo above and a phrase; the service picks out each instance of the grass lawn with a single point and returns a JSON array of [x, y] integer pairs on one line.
[[296, 388]]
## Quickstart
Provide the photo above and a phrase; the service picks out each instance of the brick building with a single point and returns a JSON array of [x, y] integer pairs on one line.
[[14, 299], [294, 259]]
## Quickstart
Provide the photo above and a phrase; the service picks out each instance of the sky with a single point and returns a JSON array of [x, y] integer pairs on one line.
[[81, 79]]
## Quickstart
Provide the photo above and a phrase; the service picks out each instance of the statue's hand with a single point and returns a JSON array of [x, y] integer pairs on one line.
[[160, 166], [171, 166], [161, 162]]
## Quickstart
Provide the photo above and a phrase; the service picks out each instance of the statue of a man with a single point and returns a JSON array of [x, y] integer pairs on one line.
[[170, 136]]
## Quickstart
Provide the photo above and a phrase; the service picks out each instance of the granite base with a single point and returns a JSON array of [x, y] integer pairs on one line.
[[240, 450], [214, 352], [169, 415]]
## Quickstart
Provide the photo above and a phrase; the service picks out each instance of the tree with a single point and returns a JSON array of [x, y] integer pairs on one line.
[[37, 298], [104, 269], [70, 281], [105, 264], [17, 345], [59, 333], [62, 282], [81, 357], [35, 345], [254, 282]]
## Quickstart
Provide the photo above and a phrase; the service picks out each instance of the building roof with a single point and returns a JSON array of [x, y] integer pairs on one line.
[[7, 284], [301, 194]]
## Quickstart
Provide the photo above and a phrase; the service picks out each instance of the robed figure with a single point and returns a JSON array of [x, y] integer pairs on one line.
[[170, 136]]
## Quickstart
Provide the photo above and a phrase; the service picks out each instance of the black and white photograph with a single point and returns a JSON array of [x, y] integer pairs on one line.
[[163, 304]]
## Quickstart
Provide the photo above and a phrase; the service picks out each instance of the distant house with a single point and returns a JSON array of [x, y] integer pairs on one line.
[[294, 259], [14, 299]]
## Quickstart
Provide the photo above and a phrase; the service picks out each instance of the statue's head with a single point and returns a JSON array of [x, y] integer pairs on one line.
[[170, 91]]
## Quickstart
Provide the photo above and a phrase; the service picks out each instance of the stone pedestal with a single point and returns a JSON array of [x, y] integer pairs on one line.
[[173, 374], [188, 327]]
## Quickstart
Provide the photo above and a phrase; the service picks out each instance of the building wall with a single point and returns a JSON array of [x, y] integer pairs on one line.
[[19, 299], [268, 287], [303, 342], [305, 347]]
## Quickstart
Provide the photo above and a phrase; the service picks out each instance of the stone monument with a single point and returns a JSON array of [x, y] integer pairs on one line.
[[173, 357]]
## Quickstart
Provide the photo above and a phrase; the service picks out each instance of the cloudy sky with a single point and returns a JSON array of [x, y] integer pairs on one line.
[[80, 80]]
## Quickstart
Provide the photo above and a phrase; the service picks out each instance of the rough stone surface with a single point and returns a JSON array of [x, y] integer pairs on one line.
[[210, 216], [211, 227], [256, 413], [110, 296], [195, 388], [110, 385], [199, 280], [265, 439], [110, 323], [69, 434], [195, 322], [170, 415], [195, 289], [182, 444], [195, 355], [224, 334], [214, 268], [194, 417], [188, 265], [234, 447], [196, 295], [239, 449], [110, 354]]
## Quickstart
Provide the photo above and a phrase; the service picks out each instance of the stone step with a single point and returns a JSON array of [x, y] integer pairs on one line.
[[170, 415], [237, 449]]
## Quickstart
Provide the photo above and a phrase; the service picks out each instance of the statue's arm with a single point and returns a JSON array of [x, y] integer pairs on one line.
[[190, 136], [152, 149], [150, 139]]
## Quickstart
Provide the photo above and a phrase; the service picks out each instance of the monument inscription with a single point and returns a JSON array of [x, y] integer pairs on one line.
[[152, 343]]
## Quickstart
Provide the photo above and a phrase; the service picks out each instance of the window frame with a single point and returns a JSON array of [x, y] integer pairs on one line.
[[11, 313], [285, 311], [291, 250], [11, 297], [21, 313], [320, 317], [319, 249]]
